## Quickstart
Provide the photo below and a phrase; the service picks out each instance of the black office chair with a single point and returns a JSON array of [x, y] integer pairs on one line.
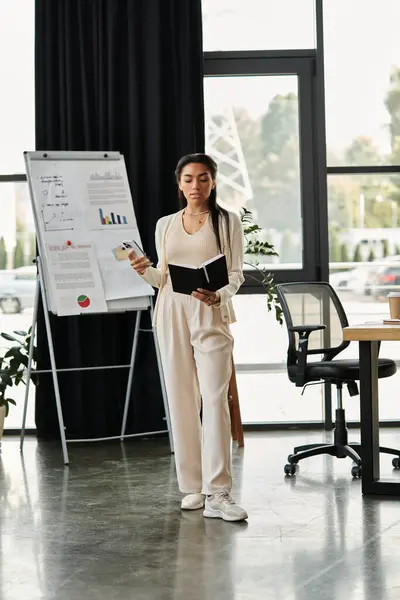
[[315, 319]]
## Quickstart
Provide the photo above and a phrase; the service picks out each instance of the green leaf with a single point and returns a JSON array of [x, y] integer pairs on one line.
[[253, 228], [14, 365], [254, 248], [24, 360], [6, 379], [11, 401], [12, 352], [23, 333], [18, 376]]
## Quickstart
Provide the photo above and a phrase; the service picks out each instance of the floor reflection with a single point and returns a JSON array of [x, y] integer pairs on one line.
[[110, 526]]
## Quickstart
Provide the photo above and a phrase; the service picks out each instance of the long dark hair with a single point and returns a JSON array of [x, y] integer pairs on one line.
[[216, 211]]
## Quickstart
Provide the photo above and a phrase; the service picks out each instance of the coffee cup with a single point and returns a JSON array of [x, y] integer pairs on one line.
[[394, 305]]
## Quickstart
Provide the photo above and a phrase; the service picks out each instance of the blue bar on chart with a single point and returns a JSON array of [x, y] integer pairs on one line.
[[113, 219]]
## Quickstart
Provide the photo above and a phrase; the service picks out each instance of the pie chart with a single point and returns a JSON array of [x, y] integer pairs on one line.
[[83, 301]]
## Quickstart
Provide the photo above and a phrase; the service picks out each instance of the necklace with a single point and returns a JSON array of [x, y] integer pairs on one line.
[[197, 214]]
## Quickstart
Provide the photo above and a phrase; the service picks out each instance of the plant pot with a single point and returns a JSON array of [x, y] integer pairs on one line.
[[2, 417]]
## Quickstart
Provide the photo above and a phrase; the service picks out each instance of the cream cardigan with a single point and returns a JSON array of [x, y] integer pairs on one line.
[[156, 276]]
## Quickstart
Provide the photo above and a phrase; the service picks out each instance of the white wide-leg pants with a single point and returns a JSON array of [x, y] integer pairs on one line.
[[196, 351]]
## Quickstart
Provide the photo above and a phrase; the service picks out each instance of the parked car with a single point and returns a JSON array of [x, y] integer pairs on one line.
[[17, 289], [353, 280], [386, 279], [376, 269], [363, 279], [340, 281]]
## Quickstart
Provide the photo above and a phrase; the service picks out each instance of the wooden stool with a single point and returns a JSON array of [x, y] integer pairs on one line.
[[234, 409]]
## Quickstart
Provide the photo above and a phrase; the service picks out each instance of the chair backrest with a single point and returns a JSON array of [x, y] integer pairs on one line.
[[310, 303]]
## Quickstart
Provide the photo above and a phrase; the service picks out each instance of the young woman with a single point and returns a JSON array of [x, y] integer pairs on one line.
[[195, 339]]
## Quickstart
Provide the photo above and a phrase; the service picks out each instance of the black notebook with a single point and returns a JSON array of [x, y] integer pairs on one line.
[[211, 275]]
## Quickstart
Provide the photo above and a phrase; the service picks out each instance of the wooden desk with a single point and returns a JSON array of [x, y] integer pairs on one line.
[[369, 337]]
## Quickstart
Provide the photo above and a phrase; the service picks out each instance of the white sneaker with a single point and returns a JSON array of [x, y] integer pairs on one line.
[[222, 506], [192, 502]]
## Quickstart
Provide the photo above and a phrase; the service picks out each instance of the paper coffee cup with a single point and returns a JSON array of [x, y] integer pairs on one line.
[[394, 305]]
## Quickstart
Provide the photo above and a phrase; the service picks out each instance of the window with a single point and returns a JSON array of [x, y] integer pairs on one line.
[[266, 394], [362, 82], [252, 131], [362, 102], [362, 91], [364, 238], [258, 24], [17, 102], [17, 278], [17, 238], [259, 126]]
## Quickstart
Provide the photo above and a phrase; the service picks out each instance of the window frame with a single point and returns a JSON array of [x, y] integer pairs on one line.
[[304, 64]]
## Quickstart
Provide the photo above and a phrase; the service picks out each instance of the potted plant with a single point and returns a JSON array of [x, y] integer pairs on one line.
[[257, 248], [13, 364]]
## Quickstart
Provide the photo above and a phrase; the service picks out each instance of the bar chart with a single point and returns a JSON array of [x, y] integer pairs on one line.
[[112, 219]]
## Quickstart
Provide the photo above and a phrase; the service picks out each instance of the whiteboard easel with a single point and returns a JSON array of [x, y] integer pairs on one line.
[[138, 304]]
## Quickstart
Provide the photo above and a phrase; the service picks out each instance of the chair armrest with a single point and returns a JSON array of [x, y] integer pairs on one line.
[[306, 328], [304, 332]]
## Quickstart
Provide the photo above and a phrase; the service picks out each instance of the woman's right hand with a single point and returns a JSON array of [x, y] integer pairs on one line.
[[139, 263]]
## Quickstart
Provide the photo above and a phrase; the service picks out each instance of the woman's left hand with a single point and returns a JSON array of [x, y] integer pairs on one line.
[[209, 298]]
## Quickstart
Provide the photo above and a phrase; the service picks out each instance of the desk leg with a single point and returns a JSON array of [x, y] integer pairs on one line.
[[369, 415]]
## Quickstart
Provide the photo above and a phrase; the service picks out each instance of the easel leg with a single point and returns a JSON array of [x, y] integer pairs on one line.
[[162, 381], [30, 359], [53, 368], [130, 377]]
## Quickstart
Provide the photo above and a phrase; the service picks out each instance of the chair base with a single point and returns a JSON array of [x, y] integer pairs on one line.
[[356, 446], [340, 449]]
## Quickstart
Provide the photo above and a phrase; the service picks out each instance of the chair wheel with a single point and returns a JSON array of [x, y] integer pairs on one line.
[[290, 469], [396, 462], [356, 471]]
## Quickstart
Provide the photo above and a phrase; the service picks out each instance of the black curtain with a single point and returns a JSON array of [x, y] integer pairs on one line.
[[120, 75]]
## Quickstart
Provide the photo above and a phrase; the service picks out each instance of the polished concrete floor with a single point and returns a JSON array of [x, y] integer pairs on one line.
[[109, 527]]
